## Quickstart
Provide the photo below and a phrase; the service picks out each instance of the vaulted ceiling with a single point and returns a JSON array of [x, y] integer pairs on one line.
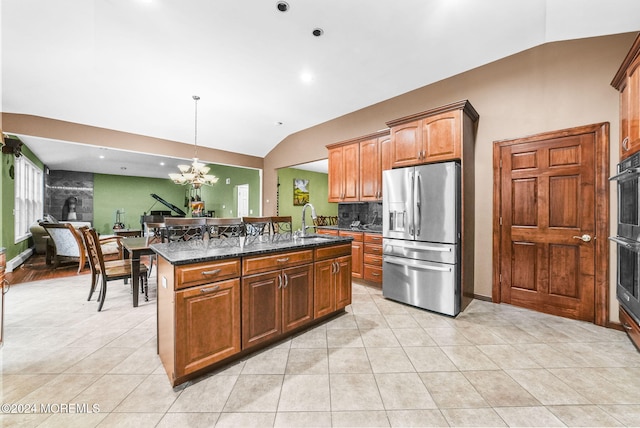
[[133, 65]]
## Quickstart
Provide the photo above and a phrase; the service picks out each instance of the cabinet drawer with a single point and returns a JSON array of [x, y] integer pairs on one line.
[[323, 253], [258, 264], [373, 249], [203, 273], [373, 238], [372, 259], [332, 232], [357, 236], [630, 327], [373, 273]]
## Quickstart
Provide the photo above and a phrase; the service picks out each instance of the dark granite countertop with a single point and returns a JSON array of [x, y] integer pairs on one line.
[[195, 251], [369, 228]]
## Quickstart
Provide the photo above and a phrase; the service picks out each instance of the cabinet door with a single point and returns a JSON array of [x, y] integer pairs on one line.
[[442, 136], [207, 325], [633, 107], [624, 122], [335, 177], [357, 257], [324, 289], [370, 172], [351, 172], [261, 308], [406, 144], [297, 297], [386, 160], [343, 282]]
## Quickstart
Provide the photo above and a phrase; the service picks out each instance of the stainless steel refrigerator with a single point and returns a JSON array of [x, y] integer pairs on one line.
[[421, 236]]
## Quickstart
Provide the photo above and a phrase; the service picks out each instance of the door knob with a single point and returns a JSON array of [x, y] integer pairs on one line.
[[585, 237]]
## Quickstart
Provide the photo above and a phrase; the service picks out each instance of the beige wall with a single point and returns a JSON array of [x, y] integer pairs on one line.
[[551, 87]]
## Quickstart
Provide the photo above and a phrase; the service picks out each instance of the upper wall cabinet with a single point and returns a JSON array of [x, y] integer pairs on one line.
[[355, 168], [627, 81], [344, 167], [431, 136]]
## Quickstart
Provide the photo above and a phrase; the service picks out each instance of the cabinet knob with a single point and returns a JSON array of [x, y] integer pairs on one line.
[[625, 144]]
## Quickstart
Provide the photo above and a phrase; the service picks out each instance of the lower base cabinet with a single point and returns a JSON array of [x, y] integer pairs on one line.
[[212, 312], [630, 326], [276, 302], [210, 320]]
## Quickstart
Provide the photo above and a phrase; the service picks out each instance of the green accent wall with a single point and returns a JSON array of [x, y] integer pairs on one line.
[[8, 202], [113, 192], [318, 195]]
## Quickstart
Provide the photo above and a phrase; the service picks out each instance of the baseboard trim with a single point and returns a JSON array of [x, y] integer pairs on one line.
[[18, 260], [484, 298]]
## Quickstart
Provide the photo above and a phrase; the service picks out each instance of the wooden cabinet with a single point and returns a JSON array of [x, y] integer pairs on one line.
[[197, 325], [374, 158], [627, 81], [330, 232], [357, 252], [208, 325], [630, 326], [370, 156], [372, 260], [431, 136], [332, 289], [344, 170], [277, 299]]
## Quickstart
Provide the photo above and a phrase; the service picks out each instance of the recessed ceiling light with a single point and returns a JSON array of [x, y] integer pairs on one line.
[[317, 32], [282, 6], [161, 163], [101, 156], [306, 77]]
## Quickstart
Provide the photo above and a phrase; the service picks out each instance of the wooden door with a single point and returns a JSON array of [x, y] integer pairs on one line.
[[406, 145], [324, 290], [342, 282], [297, 297], [550, 189], [261, 308], [351, 173], [207, 325], [442, 136], [370, 173]]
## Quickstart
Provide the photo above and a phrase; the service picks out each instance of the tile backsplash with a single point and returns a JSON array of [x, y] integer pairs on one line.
[[369, 213]]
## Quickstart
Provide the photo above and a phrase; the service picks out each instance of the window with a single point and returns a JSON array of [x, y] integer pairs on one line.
[[29, 196]]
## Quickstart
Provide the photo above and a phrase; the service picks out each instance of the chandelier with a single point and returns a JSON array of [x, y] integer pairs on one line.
[[196, 173]]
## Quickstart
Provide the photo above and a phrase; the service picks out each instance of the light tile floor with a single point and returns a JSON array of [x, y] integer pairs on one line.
[[379, 364]]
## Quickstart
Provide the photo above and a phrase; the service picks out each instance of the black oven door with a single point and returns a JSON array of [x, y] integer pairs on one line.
[[628, 276], [628, 180]]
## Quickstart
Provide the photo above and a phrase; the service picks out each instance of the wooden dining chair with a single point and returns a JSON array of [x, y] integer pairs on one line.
[[107, 270], [184, 229], [255, 226], [281, 225], [228, 227], [155, 233]]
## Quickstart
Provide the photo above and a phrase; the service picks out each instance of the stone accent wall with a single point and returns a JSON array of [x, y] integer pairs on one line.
[[62, 185]]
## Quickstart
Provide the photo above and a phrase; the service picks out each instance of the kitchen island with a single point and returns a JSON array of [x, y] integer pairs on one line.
[[220, 299]]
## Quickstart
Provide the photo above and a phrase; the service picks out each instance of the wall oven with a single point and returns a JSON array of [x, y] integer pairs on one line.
[[628, 235]]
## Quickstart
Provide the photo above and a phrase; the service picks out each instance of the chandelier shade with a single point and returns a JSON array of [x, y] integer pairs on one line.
[[195, 174]]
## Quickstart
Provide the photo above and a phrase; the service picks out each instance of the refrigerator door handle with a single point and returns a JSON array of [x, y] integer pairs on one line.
[[390, 247], [412, 219], [416, 264], [418, 201]]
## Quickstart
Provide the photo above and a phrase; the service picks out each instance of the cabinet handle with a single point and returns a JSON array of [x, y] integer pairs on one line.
[[211, 272], [625, 144], [375, 274], [626, 326], [210, 289], [283, 260], [286, 280], [279, 281]]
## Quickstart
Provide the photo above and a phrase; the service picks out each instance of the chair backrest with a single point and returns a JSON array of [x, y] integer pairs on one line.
[[228, 227], [332, 220], [255, 226], [321, 221], [92, 242], [155, 232], [281, 224], [184, 229], [65, 237]]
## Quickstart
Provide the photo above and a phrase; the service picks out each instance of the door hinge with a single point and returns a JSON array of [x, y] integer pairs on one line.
[[500, 220], [501, 163], [500, 279]]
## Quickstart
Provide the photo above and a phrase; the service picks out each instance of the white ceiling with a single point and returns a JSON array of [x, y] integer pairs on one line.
[[133, 65]]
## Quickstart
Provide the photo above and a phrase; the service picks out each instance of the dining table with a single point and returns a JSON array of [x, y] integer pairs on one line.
[[133, 249]]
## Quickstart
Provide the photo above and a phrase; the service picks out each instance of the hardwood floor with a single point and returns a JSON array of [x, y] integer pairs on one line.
[[35, 269]]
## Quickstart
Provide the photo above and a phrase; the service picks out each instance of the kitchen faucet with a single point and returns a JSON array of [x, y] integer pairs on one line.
[[313, 216]]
